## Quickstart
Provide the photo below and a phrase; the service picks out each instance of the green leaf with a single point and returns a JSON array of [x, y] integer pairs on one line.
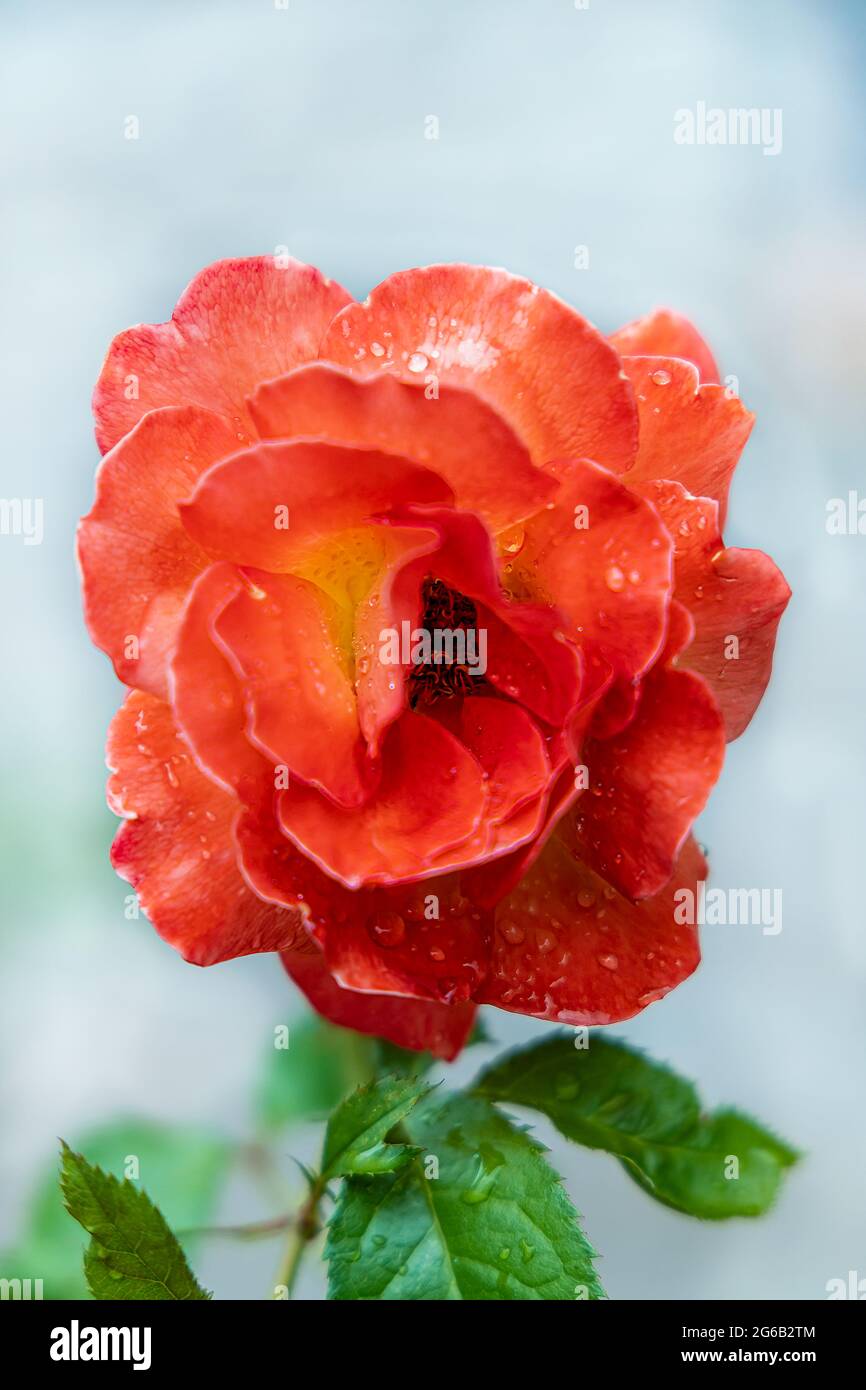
[[496, 1223], [611, 1097], [182, 1170], [132, 1253], [355, 1137], [312, 1075]]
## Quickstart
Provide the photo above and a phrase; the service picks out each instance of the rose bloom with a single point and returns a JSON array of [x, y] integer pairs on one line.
[[291, 476]]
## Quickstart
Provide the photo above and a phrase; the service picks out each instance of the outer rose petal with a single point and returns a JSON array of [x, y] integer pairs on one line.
[[271, 505], [567, 947], [388, 946], [730, 593], [176, 848], [136, 559], [419, 940], [545, 369], [454, 433], [236, 324], [298, 694], [611, 577], [429, 801], [664, 333], [691, 433], [650, 783], [418, 1024]]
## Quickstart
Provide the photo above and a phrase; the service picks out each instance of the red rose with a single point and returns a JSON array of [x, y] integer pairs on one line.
[[293, 483]]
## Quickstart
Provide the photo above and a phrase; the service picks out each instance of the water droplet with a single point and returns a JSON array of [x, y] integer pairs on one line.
[[377, 349], [488, 1163], [387, 929], [436, 953], [512, 931], [586, 897], [661, 378], [609, 962], [417, 362], [171, 775], [513, 540], [614, 578]]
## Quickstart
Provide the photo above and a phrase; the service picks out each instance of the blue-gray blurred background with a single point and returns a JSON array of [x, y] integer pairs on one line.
[[264, 126]]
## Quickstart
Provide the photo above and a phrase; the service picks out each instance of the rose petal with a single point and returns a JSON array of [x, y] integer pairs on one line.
[[137, 561], [176, 847], [418, 1024], [664, 333], [731, 594], [602, 555], [547, 371], [649, 783], [238, 323], [429, 801], [423, 940], [271, 505], [567, 947], [296, 687], [691, 433], [206, 698], [454, 433]]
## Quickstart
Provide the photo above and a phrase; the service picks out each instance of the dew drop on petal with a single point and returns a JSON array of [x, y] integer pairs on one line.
[[512, 931], [387, 929]]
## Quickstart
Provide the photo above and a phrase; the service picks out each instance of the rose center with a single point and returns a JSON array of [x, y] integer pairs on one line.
[[457, 658]]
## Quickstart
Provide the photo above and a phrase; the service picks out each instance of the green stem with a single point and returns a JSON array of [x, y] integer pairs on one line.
[[359, 1063], [305, 1228], [254, 1230]]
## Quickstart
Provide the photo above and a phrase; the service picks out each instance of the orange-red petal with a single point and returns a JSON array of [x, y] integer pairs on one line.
[[176, 848], [421, 1025], [664, 333], [278, 637], [691, 433], [238, 323], [649, 783], [736, 598], [429, 802], [453, 432], [548, 372], [603, 557], [137, 561], [271, 504], [567, 947], [206, 698]]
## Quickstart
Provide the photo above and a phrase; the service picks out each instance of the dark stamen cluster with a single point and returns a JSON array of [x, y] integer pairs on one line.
[[444, 608]]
